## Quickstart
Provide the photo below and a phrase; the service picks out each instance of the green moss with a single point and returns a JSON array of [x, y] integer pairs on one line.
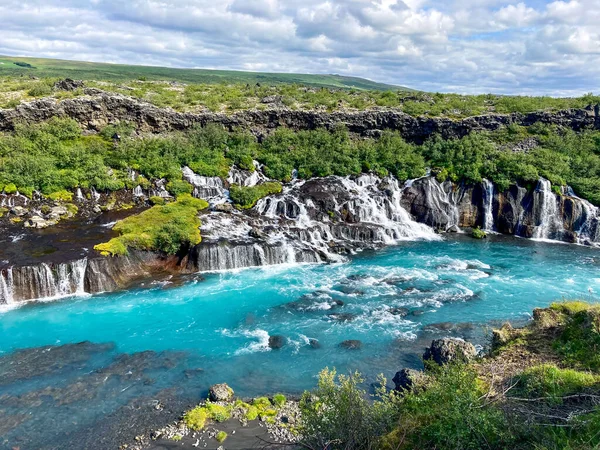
[[163, 228], [550, 381], [251, 413], [177, 437], [61, 196], [246, 197], [217, 412], [221, 436], [155, 200], [478, 233], [195, 419], [279, 400], [73, 209], [262, 402], [10, 188], [178, 187], [3, 211], [579, 339]]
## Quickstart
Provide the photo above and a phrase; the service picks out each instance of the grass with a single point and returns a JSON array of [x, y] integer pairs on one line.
[[163, 228], [548, 380], [246, 197]]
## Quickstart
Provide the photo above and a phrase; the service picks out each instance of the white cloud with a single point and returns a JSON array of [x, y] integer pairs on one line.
[[527, 46]]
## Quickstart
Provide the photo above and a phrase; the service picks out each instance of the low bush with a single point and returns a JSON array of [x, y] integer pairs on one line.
[[549, 381], [478, 233], [221, 436], [195, 419], [246, 197], [165, 228]]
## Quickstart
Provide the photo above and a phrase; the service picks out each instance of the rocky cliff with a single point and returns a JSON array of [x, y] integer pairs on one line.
[[97, 109]]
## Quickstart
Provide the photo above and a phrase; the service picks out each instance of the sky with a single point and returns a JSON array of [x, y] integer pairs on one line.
[[465, 46]]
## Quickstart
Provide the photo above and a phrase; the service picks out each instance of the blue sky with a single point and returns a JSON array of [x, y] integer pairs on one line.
[[466, 46]]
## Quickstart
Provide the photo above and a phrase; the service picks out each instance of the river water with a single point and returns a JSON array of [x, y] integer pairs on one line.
[[164, 343]]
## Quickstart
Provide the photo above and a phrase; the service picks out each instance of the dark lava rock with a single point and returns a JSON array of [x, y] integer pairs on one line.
[[403, 312], [337, 302], [342, 317], [407, 378], [314, 343], [277, 341], [416, 312], [68, 85], [351, 344], [220, 393], [446, 350]]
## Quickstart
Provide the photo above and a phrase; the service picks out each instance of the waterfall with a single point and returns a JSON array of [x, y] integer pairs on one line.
[[210, 189], [95, 195], [546, 208], [6, 286], [79, 195], [43, 281], [488, 199], [245, 177], [138, 192]]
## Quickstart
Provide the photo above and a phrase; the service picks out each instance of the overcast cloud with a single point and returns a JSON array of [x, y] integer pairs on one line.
[[467, 46]]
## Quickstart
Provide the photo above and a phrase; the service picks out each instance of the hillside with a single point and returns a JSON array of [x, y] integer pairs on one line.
[[55, 68]]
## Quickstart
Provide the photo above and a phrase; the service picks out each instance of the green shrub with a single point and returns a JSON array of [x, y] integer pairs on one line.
[[579, 341], [217, 412], [550, 381], [251, 413], [478, 233], [338, 414], [279, 400], [195, 419], [261, 403], [10, 189], [61, 196], [40, 89], [165, 228], [155, 200], [178, 187], [246, 197], [450, 413], [221, 436]]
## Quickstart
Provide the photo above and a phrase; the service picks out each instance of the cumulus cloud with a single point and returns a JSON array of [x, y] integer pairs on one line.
[[469, 46]]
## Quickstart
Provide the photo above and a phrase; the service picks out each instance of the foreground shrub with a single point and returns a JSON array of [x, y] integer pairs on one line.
[[165, 228], [195, 419], [450, 413], [338, 414]]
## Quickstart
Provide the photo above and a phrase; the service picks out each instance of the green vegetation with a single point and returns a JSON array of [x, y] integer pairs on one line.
[[163, 228], [478, 233], [279, 400], [195, 419], [246, 197], [221, 436], [54, 157], [533, 391]]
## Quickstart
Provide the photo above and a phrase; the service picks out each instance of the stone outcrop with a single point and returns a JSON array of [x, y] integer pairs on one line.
[[97, 109], [220, 393], [446, 350], [406, 379]]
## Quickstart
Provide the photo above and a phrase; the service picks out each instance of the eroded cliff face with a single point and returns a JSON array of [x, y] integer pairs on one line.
[[97, 109]]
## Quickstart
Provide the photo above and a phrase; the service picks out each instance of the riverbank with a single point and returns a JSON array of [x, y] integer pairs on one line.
[[538, 385]]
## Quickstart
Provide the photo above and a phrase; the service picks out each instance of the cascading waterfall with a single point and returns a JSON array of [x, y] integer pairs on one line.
[[245, 177], [43, 281], [549, 226], [6, 286], [488, 199], [138, 191], [210, 189]]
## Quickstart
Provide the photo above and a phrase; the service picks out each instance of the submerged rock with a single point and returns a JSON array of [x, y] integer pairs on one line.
[[446, 350], [277, 341], [351, 344], [220, 393], [313, 343]]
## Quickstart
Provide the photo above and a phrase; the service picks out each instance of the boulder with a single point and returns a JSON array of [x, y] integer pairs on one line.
[[18, 211], [446, 350], [223, 207], [220, 393], [406, 379], [68, 85], [37, 222], [276, 341], [313, 343], [351, 344]]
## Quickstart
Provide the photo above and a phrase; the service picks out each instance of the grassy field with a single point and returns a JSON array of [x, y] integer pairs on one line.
[[55, 68]]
